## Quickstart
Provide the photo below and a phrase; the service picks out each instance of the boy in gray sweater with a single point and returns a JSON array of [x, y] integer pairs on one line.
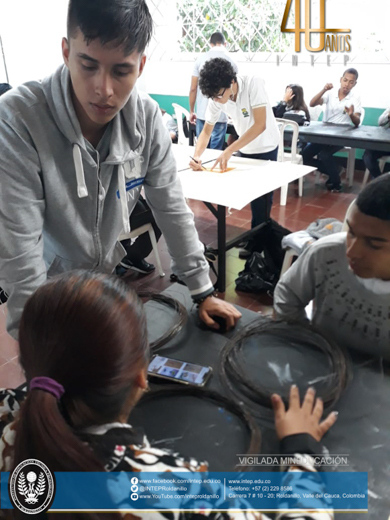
[[348, 277], [76, 149]]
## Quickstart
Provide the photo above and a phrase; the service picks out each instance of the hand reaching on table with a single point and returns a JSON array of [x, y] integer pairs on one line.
[[223, 160], [215, 307], [196, 164], [301, 419]]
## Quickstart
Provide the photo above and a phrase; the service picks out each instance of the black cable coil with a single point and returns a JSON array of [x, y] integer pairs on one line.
[[177, 327], [220, 400], [235, 379]]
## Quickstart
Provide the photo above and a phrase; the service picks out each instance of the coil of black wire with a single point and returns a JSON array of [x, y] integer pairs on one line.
[[174, 304], [222, 401], [235, 378]]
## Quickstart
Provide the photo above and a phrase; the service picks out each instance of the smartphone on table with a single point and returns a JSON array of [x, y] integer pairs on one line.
[[179, 371]]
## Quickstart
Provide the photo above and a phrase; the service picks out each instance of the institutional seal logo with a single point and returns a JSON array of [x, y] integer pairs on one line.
[[32, 487]]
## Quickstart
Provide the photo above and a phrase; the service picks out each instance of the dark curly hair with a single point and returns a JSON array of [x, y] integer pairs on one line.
[[215, 75]]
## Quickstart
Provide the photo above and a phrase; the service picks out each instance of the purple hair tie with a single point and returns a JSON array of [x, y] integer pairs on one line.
[[47, 385]]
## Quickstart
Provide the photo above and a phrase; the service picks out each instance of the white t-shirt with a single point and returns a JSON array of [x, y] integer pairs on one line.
[[219, 51], [251, 94], [334, 109]]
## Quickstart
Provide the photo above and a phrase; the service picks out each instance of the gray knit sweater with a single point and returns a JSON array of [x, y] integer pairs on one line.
[[350, 313]]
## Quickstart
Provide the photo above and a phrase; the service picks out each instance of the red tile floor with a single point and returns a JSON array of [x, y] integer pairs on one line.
[[297, 214]]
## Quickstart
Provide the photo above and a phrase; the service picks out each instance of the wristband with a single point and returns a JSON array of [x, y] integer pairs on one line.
[[199, 301]]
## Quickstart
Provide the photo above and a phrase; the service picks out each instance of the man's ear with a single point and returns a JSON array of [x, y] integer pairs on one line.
[[65, 51], [142, 64]]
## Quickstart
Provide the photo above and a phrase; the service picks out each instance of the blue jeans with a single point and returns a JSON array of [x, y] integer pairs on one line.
[[325, 161], [217, 139], [370, 159], [261, 207]]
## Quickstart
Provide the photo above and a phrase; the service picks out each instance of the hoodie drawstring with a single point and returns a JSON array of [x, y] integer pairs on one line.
[[78, 164], [123, 197]]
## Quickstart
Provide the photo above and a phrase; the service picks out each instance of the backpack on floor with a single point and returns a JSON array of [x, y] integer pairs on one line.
[[262, 269]]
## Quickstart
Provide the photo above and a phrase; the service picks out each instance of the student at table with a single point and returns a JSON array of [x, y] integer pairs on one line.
[[371, 157], [342, 107], [71, 422], [293, 105], [245, 100], [217, 50], [76, 149], [347, 275]]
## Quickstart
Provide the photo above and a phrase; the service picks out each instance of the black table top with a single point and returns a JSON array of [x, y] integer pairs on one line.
[[204, 431], [366, 137]]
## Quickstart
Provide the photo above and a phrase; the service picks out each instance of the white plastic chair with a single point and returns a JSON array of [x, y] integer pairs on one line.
[[292, 156], [180, 112], [146, 228], [290, 253], [382, 162], [350, 170]]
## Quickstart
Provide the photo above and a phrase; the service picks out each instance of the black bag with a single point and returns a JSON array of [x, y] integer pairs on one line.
[[262, 269], [298, 118], [259, 275]]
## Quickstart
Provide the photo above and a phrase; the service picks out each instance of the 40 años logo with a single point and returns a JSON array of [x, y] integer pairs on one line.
[[335, 42], [32, 487]]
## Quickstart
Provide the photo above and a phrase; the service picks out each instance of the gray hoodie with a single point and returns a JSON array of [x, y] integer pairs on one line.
[[63, 209]]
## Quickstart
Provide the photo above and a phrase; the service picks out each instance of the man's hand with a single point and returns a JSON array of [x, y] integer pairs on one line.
[[196, 164], [223, 160], [288, 95], [328, 86], [301, 419], [349, 110], [192, 118], [214, 307]]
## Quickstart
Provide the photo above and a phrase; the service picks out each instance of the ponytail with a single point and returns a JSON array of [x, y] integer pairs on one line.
[[43, 433]]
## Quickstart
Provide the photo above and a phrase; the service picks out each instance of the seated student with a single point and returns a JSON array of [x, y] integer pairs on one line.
[[293, 105], [371, 157], [245, 100], [348, 277], [341, 107], [85, 323], [170, 124]]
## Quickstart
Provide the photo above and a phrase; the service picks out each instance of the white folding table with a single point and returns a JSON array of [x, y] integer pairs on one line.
[[250, 179]]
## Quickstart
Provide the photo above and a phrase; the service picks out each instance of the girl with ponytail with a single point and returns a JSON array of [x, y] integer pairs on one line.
[[84, 350]]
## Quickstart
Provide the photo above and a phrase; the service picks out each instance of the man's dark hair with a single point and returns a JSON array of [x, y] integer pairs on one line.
[[4, 87], [126, 23], [215, 75], [217, 38], [374, 200], [352, 71]]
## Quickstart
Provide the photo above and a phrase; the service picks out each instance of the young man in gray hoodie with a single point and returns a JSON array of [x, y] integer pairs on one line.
[[76, 149]]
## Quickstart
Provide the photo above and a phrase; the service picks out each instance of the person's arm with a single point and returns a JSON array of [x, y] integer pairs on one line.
[[192, 96], [258, 127], [355, 116], [213, 112], [22, 208], [318, 98], [164, 195], [384, 119], [201, 145], [279, 109], [296, 288]]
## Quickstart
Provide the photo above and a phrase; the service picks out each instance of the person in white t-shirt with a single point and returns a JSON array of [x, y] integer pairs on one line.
[[371, 157], [218, 50], [244, 99], [341, 107]]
